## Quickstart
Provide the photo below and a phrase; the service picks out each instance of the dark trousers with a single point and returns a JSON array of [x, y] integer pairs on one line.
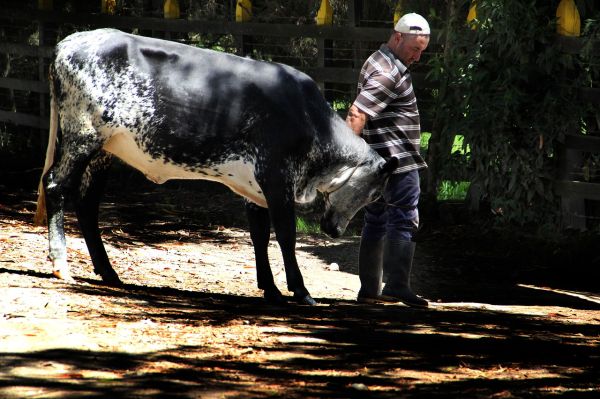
[[395, 215]]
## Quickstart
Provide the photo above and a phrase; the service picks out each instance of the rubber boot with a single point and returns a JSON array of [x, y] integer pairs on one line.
[[397, 262], [370, 270]]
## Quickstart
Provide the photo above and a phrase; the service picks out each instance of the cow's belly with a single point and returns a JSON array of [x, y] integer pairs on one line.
[[236, 174]]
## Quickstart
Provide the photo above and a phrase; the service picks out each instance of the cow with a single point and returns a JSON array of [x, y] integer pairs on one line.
[[174, 111]]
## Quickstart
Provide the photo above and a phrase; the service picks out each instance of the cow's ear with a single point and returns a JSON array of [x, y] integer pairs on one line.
[[390, 166]]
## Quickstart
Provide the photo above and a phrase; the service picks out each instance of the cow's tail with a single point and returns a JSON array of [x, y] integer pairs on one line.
[[40, 213]]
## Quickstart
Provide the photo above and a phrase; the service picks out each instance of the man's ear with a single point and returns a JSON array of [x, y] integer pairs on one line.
[[390, 166]]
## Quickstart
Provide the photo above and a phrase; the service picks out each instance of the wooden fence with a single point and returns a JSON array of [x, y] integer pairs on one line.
[[579, 196], [574, 190], [322, 71], [579, 191]]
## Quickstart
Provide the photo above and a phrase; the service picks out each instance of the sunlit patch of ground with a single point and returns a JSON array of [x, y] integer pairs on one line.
[[190, 322]]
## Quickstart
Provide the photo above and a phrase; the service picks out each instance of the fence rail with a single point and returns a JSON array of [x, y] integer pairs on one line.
[[26, 50], [24, 84], [571, 185], [573, 191], [322, 73]]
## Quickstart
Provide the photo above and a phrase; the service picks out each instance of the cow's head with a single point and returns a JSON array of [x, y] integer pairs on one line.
[[364, 185]]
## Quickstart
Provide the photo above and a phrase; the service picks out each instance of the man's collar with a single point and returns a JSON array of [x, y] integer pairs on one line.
[[387, 51]]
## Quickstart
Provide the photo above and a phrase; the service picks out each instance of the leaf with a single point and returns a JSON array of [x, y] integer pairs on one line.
[[539, 187], [530, 194], [70, 376], [513, 181]]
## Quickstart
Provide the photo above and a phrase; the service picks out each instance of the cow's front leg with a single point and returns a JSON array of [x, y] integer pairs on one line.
[[260, 229], [86, 206], [283, 217]]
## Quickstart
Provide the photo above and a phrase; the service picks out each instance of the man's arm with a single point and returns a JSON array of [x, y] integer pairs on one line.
[[356, 119]]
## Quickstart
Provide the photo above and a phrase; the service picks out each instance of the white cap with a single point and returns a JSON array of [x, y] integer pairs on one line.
[[412, 23]]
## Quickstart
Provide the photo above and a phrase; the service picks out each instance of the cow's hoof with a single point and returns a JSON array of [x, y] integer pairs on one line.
[[110, 278], [112, 282], [60, 269], [274, 298], [63, 275], [304, 299]]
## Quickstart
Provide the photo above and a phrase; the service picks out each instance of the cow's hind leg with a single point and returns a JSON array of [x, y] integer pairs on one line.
[[55, 203], [260, 229], [61, 179], [87, 203]]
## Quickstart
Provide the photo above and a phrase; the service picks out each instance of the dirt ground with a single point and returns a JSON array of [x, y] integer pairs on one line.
[[190, 323]]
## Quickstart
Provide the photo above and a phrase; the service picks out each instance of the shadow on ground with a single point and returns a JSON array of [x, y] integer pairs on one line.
[[336, 351], [339, 349]]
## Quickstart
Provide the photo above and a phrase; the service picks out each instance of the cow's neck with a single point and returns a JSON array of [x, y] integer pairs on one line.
[[343, 155]]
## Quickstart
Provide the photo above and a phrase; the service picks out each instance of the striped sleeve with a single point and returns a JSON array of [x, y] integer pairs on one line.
[[376, 92]]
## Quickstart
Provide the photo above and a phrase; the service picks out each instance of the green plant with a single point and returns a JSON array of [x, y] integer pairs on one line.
[[453, 190], [459, 146], [507, 91], [340, 105], [425, 136], [305, 226]]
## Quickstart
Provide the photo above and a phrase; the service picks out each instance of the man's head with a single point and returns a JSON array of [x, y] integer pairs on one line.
[[410, 38]]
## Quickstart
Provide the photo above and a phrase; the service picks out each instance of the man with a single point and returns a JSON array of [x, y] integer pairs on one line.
[[385, 114]]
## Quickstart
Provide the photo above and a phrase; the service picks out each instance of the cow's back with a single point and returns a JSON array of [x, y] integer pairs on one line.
[[175, 111], [148, 84]]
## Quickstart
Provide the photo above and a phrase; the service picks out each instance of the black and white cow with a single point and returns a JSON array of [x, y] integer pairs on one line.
[[178, 112]]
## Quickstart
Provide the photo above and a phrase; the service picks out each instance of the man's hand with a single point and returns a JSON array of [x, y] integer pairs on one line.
[[356, 119]]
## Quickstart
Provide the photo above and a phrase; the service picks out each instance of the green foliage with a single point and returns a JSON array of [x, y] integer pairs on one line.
[[458, 146], [340, 105], [306, 226], [425, 136], [511, 92], [453, 190]]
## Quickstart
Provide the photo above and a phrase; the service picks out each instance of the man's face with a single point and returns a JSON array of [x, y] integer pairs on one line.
[[408, 47]]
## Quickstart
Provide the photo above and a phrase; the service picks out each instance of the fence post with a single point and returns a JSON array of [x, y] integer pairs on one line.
[[243, 13], [354, 15], [108, 7], [45, 5], [171, 11], [45, 39], [569, 22], [324, 46], [572, 206]]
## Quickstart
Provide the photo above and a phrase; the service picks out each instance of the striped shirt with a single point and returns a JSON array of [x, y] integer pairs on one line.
[[386, 95]]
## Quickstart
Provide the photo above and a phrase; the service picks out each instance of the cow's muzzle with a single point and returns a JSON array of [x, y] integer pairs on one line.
[[330, 228]]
